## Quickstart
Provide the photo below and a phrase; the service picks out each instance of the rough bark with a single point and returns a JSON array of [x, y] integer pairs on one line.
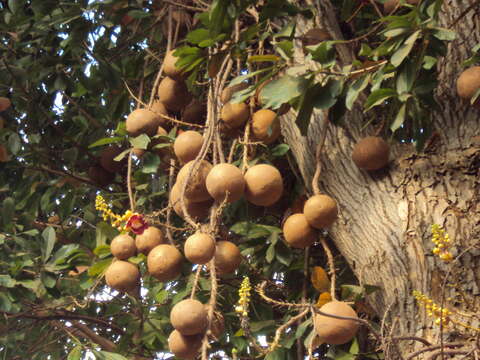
[[385, 216]]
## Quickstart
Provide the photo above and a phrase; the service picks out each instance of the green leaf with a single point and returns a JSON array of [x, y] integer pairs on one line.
[[250, 230], [355, 89], [49, 237], [139, 14], [399, 119], [280, 150], [259, 325], [75, 354], [262, 58], [5, 302], [400, 55], [270, 253], [197, 36], [242, 78], [105, 355], [14, 144], [105, 141], [444, 34], [8, 210], [429, 62], [282, 90], [324, 53], [140, 142], [120, 156], [150, 163], [7, 281], [406, 77], [99, 267], [218, 12], [378, 97]]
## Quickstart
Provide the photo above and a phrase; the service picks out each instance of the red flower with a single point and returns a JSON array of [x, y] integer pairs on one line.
[[137, 224]]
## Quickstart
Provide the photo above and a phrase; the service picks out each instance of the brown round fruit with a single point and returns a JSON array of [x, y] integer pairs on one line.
[[336, 331], [265, 126], [100, 176], [371, 153], [122, 276], [184, 346], [297, 231], [218, 325], [142, 121], [173, 94], [5, 103], [196, 190], [107, 159], [468, 82], [196, 210], [228, 92], [315, 36], [263, 185], [151, 237], [164, 262], [161, 111], [123, 246], [227, 257], [225, 181], [194, 113], [199, 248], [169, 66], [235, 115], [189, 317], [187, 145], [321, 211]]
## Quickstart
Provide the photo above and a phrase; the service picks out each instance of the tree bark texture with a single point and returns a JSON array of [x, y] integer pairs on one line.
[[385, 217]]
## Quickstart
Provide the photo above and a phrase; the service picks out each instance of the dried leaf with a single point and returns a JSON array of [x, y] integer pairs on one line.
[[320, 279], [324, 298]]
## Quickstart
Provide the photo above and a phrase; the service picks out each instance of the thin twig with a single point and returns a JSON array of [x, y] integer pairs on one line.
[[195, 281], [281, 329]]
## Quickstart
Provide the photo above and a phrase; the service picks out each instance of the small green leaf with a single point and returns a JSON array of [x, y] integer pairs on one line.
[[355, 89], [282, 90], [140, 142], [262, 58], [400, 55], [197, 36], [242, 78], [49, 237], [8, 210], [444, 34], [150, 163], [280, 150], [323, 53], [399, 119], [378, 97], [75, 354], [99, 267], [105, 141], [105, 355], [270, 253], [7, 281], [120, 156]]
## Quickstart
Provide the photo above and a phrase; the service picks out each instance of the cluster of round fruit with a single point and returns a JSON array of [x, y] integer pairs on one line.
[[190, 321]]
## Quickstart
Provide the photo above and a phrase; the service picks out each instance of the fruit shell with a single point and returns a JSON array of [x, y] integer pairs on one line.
[[235, 115], [151, 237], [169, 67], [195, 112], [336, 331], [227, 257], [173, 94], [123, 246], [297, 231], [184, 346], [122, 276], [468, 82], [142, 121], [320, 211], [265, 126], [187, 145], [196, 190], [164, 262], [229, 91], [197, 210], [371, 153], [5, 103], [189, 317], [199, 248], [263, 185], [107, 161], [225, 180], [100, 176]]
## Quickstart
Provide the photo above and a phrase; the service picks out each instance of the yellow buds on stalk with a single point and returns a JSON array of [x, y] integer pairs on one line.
[[442, 243], [127, 222], [440, 314], [244, 294]]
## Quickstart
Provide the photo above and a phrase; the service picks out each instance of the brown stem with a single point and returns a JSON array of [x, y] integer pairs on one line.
[[281, 329], [195, 281], [171, 174], [331, 266], [129, 181]]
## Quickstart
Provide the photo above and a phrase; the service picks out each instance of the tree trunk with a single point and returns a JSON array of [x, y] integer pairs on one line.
[[385, 217]]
